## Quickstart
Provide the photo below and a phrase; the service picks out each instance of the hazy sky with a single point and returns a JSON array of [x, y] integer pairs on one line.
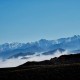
[[31, 20]]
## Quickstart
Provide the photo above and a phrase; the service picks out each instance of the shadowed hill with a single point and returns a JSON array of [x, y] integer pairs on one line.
[[64, 59], [65, 67]]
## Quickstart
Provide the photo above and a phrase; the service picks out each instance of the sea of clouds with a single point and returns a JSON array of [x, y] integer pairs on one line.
[[14, 62]]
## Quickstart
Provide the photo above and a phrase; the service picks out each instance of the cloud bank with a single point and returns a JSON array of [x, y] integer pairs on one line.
[[14, 62]]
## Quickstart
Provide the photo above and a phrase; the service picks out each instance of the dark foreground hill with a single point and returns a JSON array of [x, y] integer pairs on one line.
[[66, 67]]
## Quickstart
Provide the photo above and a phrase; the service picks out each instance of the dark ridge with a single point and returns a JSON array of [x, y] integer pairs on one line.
[[66, 67], [64, 59]]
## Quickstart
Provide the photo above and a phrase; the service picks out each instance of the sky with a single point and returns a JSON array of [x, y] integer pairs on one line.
[[31, 20]]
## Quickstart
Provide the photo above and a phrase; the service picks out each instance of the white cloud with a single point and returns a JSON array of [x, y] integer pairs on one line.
[[16, 62]]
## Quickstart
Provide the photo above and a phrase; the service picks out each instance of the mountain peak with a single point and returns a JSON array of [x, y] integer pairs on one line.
[[76, 36], [43, 45], [42, 40]]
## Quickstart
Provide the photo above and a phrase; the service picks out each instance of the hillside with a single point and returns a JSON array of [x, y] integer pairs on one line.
[[63, 68]]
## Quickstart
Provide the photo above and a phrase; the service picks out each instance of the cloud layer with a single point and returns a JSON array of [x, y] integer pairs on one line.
[[18, 61]]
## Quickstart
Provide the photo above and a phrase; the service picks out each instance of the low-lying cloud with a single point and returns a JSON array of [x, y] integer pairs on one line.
[[14, 62]]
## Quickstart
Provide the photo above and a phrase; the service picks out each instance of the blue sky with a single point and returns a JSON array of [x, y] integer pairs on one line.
[[31, 20]]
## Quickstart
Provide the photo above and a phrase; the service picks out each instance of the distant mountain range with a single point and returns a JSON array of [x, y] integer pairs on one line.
[[9, 49]]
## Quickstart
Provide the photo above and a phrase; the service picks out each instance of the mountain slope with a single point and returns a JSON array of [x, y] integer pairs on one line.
[[53, 51], [43, 45], [65, 67]]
